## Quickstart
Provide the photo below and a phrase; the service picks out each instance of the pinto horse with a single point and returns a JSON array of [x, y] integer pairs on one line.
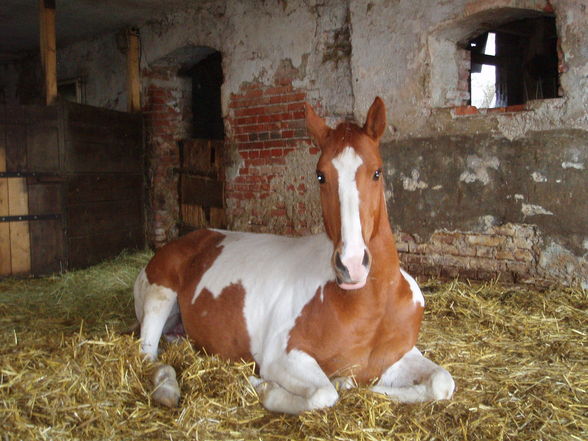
[[315, 313]]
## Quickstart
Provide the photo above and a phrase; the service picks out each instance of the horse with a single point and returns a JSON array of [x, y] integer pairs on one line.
[[317, 314]]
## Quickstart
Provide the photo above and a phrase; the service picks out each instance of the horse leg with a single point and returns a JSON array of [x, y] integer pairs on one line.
[[293, 384], [415, 378], [157, 310]]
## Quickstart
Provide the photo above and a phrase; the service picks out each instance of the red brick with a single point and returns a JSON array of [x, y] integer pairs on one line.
[[296, 107], [246, 120], [249, 93], [465, 110], [274, 143], [278, 90], [250, 111]]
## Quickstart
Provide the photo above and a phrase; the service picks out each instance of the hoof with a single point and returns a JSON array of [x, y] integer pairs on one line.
[[442, 385], [166, 389]]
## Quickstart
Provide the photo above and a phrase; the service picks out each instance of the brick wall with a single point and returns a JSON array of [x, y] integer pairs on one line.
[[509, 252], [275, 161], [167, 117]]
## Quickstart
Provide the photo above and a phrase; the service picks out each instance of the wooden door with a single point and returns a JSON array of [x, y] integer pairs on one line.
[[201, 189]]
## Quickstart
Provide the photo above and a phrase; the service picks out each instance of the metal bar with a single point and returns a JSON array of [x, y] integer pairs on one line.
[[29, 217], [22, 174]]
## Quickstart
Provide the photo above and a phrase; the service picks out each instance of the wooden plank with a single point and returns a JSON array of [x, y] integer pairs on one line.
[[16, 147], [89, 115], [47, 246], [201, 191], [42, 148], [193, 215], [2, 150], [45, 197], [20, 247], [104, 187], [48, 48], [100, 217], [18, 201], [4, 197], [5, 257], [202, 155], [218, 218], [87, 250], [133, 79]]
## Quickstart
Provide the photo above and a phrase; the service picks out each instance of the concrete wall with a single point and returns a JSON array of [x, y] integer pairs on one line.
[[471, 192]]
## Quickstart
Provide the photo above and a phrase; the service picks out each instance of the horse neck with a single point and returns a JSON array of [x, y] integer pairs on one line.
[[382, 245]]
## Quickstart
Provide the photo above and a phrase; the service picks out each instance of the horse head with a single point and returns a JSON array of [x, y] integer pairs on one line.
[[349, 172]]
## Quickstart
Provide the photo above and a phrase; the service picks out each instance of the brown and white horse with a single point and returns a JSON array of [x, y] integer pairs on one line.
[[312, 312]]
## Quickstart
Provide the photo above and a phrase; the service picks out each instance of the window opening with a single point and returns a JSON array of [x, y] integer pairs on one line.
[[207, 79], [72, 89], [514, 63]]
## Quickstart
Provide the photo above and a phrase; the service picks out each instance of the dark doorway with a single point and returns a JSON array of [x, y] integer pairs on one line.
[[201, 156], [207, 79]]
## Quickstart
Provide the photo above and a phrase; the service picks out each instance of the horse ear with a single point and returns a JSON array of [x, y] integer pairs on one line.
[[316, 125], [375, 123]]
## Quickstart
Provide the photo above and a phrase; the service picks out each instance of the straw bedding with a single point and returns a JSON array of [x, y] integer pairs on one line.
[[518, 356]]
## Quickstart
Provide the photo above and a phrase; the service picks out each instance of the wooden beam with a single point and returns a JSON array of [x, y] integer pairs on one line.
[[133, 77], [48, 48]]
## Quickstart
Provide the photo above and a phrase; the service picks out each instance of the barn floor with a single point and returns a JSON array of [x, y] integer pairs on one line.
[[519, 358]]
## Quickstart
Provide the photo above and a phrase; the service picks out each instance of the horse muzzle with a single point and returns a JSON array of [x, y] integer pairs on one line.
[[352, 271]]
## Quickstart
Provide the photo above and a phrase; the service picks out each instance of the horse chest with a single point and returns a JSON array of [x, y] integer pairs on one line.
[[355, 339]]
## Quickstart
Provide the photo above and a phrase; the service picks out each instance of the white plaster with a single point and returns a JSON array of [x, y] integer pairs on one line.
[[558, 261], [576, 165], [477, 169], [538, 177], [412, 182], [534, 210], [519, 197], [437, 187]]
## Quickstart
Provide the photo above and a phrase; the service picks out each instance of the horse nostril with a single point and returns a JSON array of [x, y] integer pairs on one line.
[[366, 259], [341, 267]]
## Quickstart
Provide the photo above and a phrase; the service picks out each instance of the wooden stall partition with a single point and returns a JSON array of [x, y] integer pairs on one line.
[[104, 194], [201, 185], [30, 224], [71, 186]]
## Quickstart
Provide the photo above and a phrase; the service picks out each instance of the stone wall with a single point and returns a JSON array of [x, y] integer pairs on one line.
[[471, 192]]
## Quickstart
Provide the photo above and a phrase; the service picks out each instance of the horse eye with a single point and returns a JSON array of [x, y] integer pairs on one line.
[[321, 177], [377, 174]]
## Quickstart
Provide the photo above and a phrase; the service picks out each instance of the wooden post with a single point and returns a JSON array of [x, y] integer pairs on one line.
[[133, 78], [48, 48]]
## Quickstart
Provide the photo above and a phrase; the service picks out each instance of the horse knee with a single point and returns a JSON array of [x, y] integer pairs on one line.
[[166, 389], [441, 384]]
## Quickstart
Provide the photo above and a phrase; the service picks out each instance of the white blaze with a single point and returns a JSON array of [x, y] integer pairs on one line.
[[346, 164]]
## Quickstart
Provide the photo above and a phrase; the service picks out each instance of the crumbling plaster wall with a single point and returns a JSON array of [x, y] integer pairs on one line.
[[276, 55], [470, 192], [475, 192]]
